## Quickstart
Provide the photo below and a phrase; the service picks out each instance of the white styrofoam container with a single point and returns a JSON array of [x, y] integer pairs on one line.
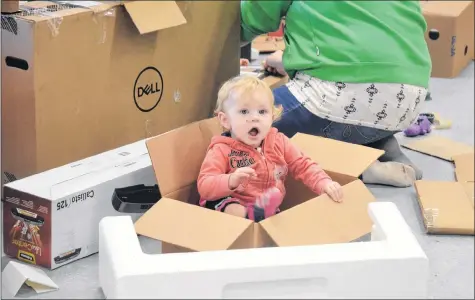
[[391, 265]]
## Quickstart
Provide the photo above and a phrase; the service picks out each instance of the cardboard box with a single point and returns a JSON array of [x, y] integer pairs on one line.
[[51, 218], [181, 225], [83, 77], [10, 6], [448, 207], [449, 36]]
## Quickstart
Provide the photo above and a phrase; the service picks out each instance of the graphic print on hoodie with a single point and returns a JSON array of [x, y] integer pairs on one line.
[[276, 159]]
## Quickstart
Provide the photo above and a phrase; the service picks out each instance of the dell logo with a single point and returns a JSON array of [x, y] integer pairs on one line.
[[148, 89]]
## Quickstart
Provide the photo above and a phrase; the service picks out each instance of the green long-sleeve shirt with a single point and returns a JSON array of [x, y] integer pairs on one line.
[[348, 41]]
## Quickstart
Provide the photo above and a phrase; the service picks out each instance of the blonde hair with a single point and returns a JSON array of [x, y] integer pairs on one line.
[[244, 84]]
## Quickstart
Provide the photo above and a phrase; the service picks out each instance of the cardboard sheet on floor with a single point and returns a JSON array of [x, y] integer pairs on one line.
[[305, 219], [446, 207], [464, 167], [439, 146]]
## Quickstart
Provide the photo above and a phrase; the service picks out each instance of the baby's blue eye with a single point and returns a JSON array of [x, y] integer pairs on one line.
[[243, 111]]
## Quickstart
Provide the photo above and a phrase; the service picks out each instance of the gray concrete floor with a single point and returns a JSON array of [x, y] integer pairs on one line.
[[451, 257]]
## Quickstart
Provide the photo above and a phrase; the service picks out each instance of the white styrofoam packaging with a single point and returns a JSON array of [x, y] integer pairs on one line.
[[52, 218], [390, 266]]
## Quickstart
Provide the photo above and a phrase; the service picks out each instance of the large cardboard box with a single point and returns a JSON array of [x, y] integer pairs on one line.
[[82, 77], [181, 225], [52, 218], [449, 35]]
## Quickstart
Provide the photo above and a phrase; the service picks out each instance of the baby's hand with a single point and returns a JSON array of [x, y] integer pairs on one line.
[[334, 190], [241, 176]]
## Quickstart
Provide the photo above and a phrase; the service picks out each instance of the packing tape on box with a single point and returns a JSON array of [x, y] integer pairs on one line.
[[99, 14], [54, 20], [430, 214]]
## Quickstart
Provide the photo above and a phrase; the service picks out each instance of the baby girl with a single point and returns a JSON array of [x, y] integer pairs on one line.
[[244, 171]]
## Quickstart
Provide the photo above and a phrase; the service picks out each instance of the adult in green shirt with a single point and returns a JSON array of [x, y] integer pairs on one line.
[[359, 73]]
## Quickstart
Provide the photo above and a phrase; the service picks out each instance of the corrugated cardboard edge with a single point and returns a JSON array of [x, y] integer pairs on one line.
[[459, 200]]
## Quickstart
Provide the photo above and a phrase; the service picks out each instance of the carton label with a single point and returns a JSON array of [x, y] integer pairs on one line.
[[27, 228], [66, 203], [148, 89]]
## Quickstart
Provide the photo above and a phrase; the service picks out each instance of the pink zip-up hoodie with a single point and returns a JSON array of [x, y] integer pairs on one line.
[[278, 158]]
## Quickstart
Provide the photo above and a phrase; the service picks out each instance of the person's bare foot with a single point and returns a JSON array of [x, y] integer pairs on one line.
[[389, 173]]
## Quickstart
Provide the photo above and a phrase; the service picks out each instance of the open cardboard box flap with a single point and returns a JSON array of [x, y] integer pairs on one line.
[[176, 219], [177, 155], [326, 151], [190, 226], [323, 221], [439, 146], [150, 16], [447, 207]]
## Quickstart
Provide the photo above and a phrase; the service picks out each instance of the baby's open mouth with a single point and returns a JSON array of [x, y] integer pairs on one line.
[[254, 131]]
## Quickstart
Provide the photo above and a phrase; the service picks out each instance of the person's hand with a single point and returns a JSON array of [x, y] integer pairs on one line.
[[273, 63], [243, 62], [241, 176], [334, 190]]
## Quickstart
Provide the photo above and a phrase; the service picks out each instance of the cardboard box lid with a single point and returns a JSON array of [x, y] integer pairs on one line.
[[439, 146], [444, 8], [446, 206], [150, 16], [323, 221], [464, 167], [190, 226], [325, 152], [169, 150]]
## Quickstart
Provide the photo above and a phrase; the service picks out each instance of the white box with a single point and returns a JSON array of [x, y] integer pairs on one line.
[[392, 265], [52, 218]]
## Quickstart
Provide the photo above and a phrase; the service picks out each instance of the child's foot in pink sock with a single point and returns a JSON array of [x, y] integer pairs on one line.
[[270, 201]]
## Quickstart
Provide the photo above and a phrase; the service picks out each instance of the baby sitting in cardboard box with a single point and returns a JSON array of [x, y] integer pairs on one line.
[[244, 170]]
